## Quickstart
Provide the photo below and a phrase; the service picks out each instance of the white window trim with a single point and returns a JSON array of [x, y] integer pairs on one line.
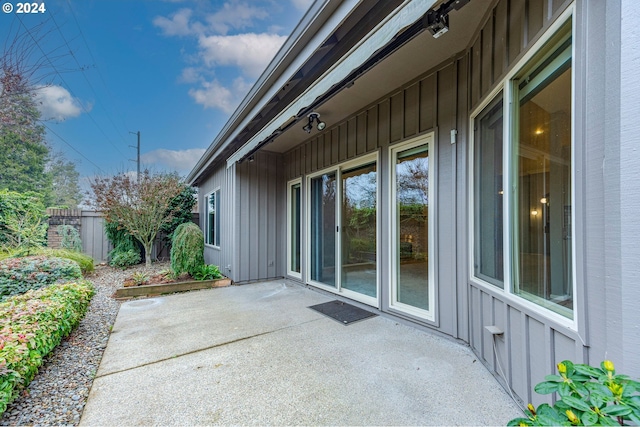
[[429, 315], [506, 85], [216, 191], [362, 160], [290, 185]]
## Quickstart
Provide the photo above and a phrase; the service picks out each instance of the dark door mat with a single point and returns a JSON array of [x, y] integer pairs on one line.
[[342, 312]]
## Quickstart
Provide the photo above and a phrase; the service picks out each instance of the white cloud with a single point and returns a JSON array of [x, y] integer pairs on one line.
[[189, 75], [178, 25], [234, 15], [302, 4], [215, 95], [179, 160], [55, 102], [251, 52]]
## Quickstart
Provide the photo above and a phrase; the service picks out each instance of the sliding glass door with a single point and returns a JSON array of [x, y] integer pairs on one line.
[[343, 241]]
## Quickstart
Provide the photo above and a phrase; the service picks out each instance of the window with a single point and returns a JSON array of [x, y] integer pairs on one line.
[[533, 140], [212, 218], [294, 230]]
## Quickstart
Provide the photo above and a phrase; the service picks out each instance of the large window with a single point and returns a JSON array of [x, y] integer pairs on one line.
[[212, 218], [537, 136]]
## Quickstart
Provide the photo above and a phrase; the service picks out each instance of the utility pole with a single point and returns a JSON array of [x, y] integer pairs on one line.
[[138, 161]]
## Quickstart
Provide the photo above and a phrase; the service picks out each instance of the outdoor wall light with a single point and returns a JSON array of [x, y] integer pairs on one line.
[[438, 24], [314, 116]]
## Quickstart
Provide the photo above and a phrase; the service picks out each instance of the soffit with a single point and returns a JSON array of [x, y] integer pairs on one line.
[[418, 56]]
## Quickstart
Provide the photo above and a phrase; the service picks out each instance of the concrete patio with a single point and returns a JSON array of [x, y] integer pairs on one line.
[[256, 355]]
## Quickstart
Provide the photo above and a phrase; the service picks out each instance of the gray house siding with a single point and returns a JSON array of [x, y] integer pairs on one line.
[[212, 255], [606, 108]]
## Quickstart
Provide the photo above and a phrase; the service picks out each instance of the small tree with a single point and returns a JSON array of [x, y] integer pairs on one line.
[[187, 249], [141, 206], [70, 238], [182, 205]]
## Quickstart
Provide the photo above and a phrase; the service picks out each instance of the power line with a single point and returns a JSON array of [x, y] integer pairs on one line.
[[109, 94], [85, 76], [66, 84], [72, 147]]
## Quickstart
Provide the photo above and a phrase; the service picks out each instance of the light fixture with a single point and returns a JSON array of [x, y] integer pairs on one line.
[[539, 131], [314, 116], [438, 24], [251, 158], [544, 200], [534, 212]]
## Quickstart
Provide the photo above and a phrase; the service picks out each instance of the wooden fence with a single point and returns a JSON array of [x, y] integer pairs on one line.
[[90, 225]]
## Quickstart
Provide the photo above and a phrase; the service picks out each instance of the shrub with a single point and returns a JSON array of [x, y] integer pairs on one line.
[[70, 238], [126, 251], [22, 220], [187, 249], [84, 261], [207, 272], [586, 396], [18, 275], [124, 259], [31, 326]]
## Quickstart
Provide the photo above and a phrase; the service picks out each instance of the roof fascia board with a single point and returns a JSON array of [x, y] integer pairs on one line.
[[403, 16], [245, 113]]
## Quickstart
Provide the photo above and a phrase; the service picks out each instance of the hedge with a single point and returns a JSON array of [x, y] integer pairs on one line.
[[18, 275], [31, 326]]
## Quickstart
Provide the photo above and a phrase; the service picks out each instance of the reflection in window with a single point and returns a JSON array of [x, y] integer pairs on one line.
[[294, 206], [412, 216], [212, 219], [323, 229], [542, 173], [488, 194]]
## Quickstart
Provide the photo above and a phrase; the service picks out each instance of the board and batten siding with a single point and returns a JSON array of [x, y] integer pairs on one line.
[[221, 257], [441, 101]]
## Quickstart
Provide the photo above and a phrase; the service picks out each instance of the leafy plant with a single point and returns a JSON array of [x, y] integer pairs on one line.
[[123, 245], [31, 326], [187, 249], [18, 275], [587, 396], [181, 206], [84, 261], [125, 259], [70, 238], [140, 278], [207, 272], [22, 220]]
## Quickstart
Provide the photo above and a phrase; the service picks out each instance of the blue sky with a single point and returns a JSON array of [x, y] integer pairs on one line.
[[174, 70]]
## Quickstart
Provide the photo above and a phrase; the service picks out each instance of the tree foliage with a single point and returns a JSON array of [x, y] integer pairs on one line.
[[22, 220], [187, 249], [140, 206], [65, 186], [181, 205]]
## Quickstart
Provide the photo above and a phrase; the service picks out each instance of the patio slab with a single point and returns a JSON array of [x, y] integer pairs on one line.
[[256, 355]]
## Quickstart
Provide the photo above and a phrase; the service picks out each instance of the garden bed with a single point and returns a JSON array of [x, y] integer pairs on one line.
[[169, 287]]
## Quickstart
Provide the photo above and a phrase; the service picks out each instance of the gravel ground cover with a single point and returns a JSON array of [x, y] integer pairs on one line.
[[59, 391]]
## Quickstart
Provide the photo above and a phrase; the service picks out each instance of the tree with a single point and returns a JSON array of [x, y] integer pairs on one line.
[[182, 205], [141, 206], [22, 220], [23, 151], [64, 176]]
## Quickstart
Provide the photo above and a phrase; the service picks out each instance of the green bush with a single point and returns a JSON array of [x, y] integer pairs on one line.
[[18, 275], [187, 249], [586, 396], [125, 259], [126, 251], [84, 261], [207, 272], [70, 238], [31, 326], [23, 222]]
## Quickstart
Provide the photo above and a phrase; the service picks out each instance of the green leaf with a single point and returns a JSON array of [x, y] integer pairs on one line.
[[588, 370], [589, 418], [576, 403], [606, 421], [549, 415], [556, 378], [520, 421], [597, 400], [564, 389], [616, 410], [546, 387]]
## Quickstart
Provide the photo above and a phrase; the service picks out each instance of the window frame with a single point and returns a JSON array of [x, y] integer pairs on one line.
[[507, 87], [217, 238], [290, 185]]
